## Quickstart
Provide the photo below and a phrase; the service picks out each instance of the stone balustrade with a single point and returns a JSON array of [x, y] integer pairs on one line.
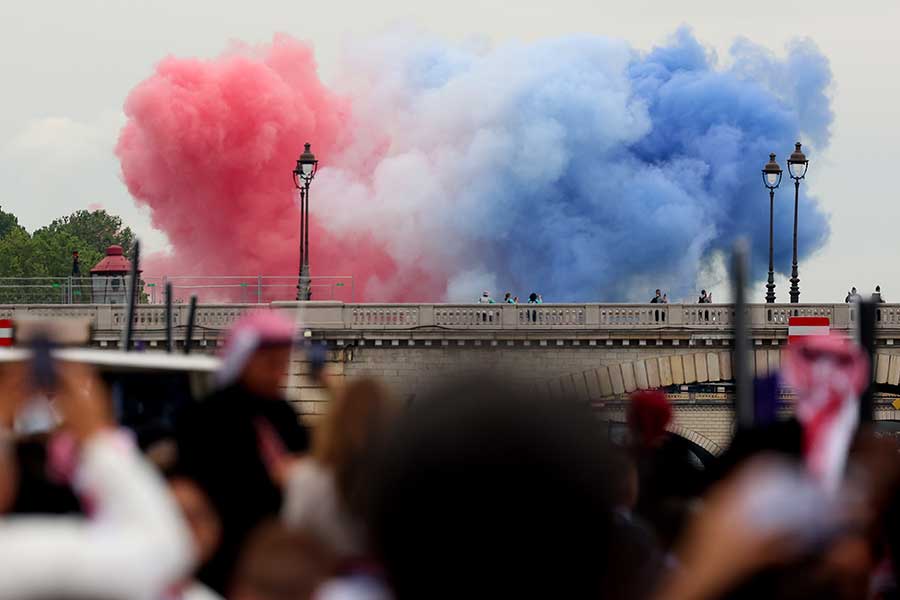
[[211, 319]]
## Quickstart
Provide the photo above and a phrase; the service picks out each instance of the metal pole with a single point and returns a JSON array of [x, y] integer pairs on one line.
[[307, 277], [866, 317], [192, 311], [132, 295], [170, 342], [795, 279], [302, 229], [770, 286], [259, 289], [743, 383]]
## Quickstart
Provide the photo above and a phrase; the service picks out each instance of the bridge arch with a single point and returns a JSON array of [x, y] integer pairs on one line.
[[695, 438], [703, 449]]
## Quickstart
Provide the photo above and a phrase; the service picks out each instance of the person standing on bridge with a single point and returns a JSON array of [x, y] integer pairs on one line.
[[485, 298], [657, 299], [236, 443], [876, 297]]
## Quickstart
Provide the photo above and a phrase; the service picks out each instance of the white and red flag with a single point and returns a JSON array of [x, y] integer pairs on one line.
[[6, 332], [799, 327]]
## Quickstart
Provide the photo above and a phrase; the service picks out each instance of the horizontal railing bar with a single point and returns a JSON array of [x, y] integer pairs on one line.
[[564, 317]]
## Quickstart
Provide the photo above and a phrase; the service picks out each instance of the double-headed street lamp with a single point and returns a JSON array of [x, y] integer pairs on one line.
[[797, 165], [772, 179], [303, 175]]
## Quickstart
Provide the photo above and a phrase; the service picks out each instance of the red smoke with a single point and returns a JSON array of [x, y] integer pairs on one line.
[[209, 146]]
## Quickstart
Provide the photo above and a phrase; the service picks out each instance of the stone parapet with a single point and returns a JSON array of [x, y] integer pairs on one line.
[[611, 324]]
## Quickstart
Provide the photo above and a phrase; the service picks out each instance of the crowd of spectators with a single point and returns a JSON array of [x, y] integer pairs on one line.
[[480, 489], [661, 298], [854, 296], [508, 298]]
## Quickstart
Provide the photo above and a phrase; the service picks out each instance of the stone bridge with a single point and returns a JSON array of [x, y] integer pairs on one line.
[[597, 353]]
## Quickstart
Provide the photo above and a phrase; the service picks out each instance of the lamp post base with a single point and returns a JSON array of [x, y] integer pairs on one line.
[[304, 291], [770, 289], [795, 287]]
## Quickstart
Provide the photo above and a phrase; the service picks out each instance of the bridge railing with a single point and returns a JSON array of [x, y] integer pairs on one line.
[[576, 316], [216, 289], [340, 316]]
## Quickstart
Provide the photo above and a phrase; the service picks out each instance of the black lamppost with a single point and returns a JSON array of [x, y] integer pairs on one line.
[[303, 175], [772, 179], [797, 165]]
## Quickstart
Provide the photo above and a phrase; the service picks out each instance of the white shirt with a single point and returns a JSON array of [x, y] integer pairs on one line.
[[311, 503], [198, 591], [134, 546]]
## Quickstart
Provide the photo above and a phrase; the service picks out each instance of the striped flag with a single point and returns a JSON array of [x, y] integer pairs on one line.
[[799, 327], [6, 332]]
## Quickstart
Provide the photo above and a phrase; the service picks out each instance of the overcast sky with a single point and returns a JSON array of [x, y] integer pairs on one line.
[[67, 67]]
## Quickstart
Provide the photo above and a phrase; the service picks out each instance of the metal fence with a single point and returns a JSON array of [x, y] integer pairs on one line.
[[224, 288]]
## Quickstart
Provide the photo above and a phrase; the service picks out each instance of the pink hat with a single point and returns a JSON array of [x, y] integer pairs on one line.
[[254, 330], [649, 414]]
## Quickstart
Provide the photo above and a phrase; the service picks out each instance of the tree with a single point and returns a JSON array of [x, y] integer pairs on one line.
[[8, 222], [47, 254], [97, 229]]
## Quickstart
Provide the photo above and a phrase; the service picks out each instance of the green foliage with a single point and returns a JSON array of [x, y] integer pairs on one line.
[[47, 253], [96, 230], [8, 222]]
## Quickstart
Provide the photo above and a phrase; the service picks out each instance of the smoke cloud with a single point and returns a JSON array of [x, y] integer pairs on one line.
[[577, 167]]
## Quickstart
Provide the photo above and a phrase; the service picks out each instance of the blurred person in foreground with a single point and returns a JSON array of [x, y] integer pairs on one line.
[[278, 563], [27, 423], [133, 545], [484, 491], [669, 482], [805, 525], [206, 533], [325, 494], [228, 443]]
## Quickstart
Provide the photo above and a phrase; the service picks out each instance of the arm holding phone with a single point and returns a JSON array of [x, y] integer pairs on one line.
[[136, 542]]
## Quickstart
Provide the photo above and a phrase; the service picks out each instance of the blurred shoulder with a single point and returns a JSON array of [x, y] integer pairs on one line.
[[198, 591]]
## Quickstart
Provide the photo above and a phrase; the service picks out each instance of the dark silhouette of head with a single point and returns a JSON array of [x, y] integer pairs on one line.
[[488, 488]]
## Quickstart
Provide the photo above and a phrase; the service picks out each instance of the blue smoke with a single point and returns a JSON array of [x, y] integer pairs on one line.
[[589, 171]]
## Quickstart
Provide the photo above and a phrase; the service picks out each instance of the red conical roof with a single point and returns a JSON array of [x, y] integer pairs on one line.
[[114, 263]]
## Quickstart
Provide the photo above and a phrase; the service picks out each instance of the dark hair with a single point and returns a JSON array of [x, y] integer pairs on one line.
[[484, 486], [532, 297]]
